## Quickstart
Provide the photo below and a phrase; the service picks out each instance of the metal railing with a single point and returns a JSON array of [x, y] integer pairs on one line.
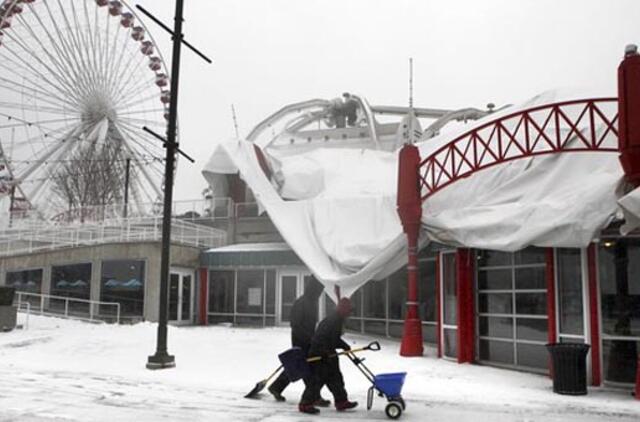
[[73, 308], [15, 241]]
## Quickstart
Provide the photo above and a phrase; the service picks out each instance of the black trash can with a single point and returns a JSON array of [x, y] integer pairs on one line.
[[569, 367], [6, 295]]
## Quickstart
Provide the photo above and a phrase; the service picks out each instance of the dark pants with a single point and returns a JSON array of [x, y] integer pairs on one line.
[[325, 372]]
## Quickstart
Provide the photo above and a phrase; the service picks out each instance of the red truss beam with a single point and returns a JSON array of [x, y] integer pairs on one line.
[[572, 126]]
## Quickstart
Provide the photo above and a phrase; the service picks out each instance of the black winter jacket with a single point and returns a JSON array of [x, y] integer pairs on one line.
[[327, 337], [304, 317]]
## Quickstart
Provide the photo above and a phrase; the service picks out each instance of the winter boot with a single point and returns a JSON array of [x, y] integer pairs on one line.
[[276, 394], [345, 405], [322, 402], [308, 408]]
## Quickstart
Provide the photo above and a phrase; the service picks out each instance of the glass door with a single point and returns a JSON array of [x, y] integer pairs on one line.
[[180, 296], [291, 286], [449, 305]]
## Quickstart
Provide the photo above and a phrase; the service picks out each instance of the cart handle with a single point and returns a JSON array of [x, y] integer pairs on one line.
[[373, 346]]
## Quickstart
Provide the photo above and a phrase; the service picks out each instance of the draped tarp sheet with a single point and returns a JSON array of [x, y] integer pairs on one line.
[[340, 216]]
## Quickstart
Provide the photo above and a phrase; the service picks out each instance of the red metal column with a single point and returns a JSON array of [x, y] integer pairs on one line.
[[629, 125], [466, 314], [438, 304], [594, 315], [550, 275], [204, 295], [409, 205], [629, 114]]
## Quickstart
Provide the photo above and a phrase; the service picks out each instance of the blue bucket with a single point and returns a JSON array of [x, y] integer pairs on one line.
[[390, 384], [295, 364]]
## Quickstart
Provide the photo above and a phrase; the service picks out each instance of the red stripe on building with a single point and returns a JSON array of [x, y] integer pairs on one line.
[[438, 305], [594, 316], [204, 294], [466, 314]]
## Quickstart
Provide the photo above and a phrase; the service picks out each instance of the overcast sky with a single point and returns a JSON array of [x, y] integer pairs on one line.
[[268, 53]]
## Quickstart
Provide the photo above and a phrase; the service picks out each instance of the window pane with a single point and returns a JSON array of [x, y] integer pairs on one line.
[[174, 288], [250, 291], [375, 327], [429, 333], [72, 281], [531, 278], [532, 329], [29, 281], [495, 279], [495, 303], [427, 290], [221, 291], [620, 294], [450, 342], [530, 255], [271, 292], [123, 282], [487, 258], [620, 359], [186, 298], [531, 303], [496, 327], [496, 351], [397, 289], [449, 289], [533, 355], [374, 299], [570, 305]]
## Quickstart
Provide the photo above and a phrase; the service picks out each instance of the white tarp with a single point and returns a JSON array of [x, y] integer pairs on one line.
[[340, 215]]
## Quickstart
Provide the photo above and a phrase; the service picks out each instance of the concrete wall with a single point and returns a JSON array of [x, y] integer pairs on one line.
[[150, 252]]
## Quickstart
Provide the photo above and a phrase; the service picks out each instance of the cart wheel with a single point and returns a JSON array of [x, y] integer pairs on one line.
[[402, 403], [393, 410]]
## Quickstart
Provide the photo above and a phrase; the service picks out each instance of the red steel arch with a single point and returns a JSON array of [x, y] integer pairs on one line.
[[570, 126]]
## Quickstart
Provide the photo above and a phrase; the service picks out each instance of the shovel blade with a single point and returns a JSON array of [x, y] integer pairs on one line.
[[258, 388]]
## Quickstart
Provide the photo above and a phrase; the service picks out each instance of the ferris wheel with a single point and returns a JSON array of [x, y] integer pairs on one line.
[[78, 81]]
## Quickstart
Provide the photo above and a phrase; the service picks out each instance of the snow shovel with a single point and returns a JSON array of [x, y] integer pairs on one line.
[[261, 384], [375, 346]]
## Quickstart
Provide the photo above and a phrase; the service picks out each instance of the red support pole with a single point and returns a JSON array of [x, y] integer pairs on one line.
[[629, 126], [550, 275], [204, 293], [629, 114], [466, 314], [438, 304], [594, 316], [409, 204]]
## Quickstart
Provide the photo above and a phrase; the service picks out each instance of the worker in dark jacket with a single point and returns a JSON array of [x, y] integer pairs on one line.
[[303, 320], [325, 341]]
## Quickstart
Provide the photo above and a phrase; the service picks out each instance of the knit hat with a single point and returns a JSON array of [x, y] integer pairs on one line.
[[344, 307]]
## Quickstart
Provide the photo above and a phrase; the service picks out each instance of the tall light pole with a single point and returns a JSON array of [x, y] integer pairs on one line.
[[161, 358]]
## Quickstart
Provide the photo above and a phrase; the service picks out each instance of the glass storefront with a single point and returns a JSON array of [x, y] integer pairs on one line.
[[73, 281], [28, 281], [619, 276], [122, 281], [242, 296], [380, 306], [512, 309]]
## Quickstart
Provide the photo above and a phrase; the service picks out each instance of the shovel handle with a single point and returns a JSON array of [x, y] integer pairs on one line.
[[373, 346]]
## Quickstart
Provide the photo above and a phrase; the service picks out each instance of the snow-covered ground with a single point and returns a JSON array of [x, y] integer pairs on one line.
[[61, 370]]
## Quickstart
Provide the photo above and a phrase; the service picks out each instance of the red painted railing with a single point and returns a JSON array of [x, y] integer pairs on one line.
[[571, 126]]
